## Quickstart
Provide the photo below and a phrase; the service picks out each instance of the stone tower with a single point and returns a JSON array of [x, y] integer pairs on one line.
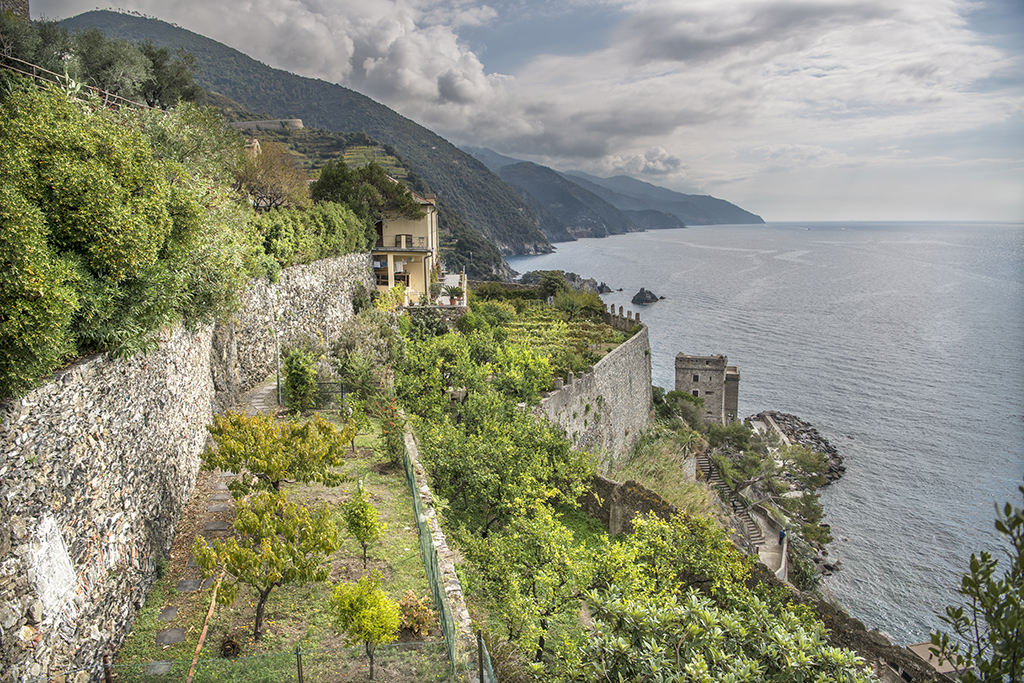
[[712, 379], [16, 7]]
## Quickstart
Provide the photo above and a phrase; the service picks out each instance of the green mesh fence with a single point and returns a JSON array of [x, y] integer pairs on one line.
[[457, 670], [395, 661], [429, 554]]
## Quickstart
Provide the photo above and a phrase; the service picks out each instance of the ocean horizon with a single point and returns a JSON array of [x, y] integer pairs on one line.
[[902, 342]]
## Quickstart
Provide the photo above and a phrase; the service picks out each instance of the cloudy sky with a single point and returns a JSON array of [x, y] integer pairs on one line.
[[793, 109]]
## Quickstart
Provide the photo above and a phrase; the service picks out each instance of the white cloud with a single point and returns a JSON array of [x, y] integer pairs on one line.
[[708, 92]]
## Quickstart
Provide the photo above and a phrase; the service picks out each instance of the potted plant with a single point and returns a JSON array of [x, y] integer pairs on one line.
[[453, 292], [435, 290]]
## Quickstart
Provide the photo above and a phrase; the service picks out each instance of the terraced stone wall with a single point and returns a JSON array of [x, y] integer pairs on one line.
[[608, 408], [97, 463]]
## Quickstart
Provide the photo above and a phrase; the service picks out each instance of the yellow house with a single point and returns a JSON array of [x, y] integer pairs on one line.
[[407, 250]]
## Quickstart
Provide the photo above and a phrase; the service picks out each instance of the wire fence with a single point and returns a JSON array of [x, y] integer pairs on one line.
[[395, 661], [41, 77], [458, 671]]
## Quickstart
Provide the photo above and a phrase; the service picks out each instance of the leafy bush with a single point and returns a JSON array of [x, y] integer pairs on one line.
[[367, 348], [37, 294], [300, 380], [417, 614], [392, 428], [120, 232], [293, 236]]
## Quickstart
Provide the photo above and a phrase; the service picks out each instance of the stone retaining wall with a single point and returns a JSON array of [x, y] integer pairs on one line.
[[608, 408], [97, 464], [616, 503], [466, 642]]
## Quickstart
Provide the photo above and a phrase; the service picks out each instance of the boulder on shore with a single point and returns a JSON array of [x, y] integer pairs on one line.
[[644, 296], [603, 289]]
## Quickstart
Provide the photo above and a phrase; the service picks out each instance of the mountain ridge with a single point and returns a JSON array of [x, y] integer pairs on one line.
[[647, 206], [486, 202]]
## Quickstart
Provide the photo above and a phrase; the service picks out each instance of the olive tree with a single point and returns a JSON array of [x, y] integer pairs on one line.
[[987, 641]]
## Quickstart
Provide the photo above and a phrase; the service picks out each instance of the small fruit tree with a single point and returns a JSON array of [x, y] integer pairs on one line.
[[276, 543], [365, 614], [273, 452], [362, 520]]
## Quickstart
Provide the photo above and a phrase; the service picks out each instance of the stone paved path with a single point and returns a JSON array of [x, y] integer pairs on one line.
[[215, 523], [757, 529]]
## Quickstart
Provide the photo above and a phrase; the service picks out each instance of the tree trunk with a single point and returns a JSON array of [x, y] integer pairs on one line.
[[540, 641], [260, 606], [369, 653]]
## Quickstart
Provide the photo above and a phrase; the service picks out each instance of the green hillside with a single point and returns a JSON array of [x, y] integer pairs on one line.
[[583, 213], [484, 200]]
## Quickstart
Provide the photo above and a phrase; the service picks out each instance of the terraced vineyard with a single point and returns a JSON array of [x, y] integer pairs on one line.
[[571, 346]]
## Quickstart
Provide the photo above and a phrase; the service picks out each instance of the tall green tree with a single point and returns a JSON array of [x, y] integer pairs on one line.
[[271, 452], [171, 77], [114, 66], [276, 543], [533, 570], [368, 191], [987, 640]]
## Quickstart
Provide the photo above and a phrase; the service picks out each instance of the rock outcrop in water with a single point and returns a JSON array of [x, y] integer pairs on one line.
[[644, 296]]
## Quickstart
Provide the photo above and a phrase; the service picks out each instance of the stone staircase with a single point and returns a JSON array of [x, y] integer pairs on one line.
[[750, 528]]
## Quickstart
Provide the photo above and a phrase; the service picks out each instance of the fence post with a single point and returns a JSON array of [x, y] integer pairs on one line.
[[480, 653], [298, 661]]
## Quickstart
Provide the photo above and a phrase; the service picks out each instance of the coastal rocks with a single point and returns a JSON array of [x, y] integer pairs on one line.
[[644, 296], [603, 289], [803, 434]]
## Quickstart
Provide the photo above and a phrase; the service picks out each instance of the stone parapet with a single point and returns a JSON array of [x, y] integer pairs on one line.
[[608, 408]]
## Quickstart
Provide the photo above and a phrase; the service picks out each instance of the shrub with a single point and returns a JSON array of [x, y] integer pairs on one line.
[[300, 380], [417, 614], [294, 236], [37, 296], [392, 428], [123, 228]]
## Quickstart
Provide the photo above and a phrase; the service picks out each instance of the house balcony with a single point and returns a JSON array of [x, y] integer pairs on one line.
[[402, 243]]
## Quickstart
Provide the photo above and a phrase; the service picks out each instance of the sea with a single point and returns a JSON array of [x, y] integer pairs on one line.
[[903, 343]]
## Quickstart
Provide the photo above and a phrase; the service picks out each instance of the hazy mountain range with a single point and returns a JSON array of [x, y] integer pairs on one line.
[[518, 207]]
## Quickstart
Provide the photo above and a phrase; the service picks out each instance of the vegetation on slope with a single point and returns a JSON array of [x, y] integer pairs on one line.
[[487, 203], [582, 212], [508, 483]]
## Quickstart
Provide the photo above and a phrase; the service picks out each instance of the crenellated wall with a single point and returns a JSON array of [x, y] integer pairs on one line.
[[97, 463], [608, 408]]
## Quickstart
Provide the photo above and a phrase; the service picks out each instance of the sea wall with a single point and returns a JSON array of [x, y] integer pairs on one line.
[[608, 408], [97, 463]]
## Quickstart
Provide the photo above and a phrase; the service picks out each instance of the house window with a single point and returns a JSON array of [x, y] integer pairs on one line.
[[696, 392], [696, 378]]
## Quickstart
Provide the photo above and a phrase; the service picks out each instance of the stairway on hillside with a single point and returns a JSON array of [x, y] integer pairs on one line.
[[750, 528]]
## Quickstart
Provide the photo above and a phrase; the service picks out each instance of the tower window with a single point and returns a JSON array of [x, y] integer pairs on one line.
[[696, 378], [695, 392]]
